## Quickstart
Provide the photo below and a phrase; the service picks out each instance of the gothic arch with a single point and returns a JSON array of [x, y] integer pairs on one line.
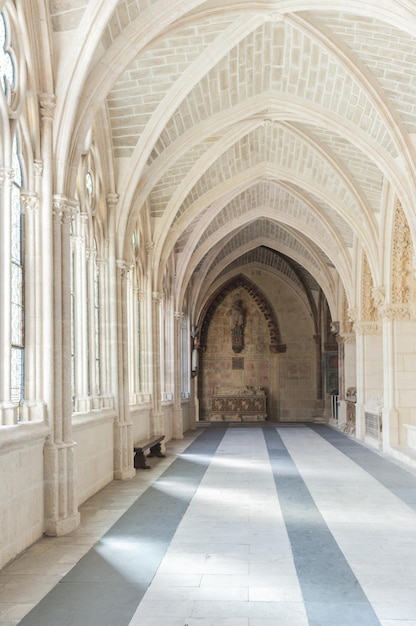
[[241, 282]]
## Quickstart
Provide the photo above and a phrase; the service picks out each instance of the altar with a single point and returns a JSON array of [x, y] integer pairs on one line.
[[242, 404]]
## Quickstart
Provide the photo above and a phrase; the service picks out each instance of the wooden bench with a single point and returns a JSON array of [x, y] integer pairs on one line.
[[153, 444]]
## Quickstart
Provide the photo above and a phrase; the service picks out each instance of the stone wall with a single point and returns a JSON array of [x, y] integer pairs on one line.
[[289, 379]]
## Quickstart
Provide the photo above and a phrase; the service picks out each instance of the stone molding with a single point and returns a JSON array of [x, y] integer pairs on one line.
[[346, 338], [364, 327], [399, 311]]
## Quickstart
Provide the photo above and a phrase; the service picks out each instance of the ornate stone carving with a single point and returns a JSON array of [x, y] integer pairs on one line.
[[6, 176], [402, 262], [30, 201], [367, 328], [112, 200], [346, 338], [38, 168], [352, 315], [368, 306], [379, 295], [398, 312], [47, 104]]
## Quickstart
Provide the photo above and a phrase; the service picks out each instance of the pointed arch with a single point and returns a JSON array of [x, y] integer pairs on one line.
[[242, 282]]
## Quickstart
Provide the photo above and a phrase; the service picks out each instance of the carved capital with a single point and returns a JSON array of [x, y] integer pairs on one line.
[[47, 104], [6, 176], [352, 314], [38, 168], [112, 199], [149, 246], [123, 267], [157, 297], [346, 338], [379, 295], [64, 209], [30, 201]]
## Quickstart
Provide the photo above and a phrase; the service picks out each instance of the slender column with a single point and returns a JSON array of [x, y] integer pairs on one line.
[[157, 415], [38, 168], [8, 411], [82, 392], [47, 111], [61, 514], [105, 387], [33, 408], [177, 362], [347, 372], [123, 436], [90, 255]]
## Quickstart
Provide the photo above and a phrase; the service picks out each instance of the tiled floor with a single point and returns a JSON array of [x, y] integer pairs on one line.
[[282, 525]]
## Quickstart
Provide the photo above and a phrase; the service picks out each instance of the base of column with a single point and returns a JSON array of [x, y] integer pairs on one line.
[[57, 528], [8, 413], [125, 474]]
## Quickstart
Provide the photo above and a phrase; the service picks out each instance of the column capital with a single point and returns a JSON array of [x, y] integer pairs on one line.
[[64, 209], [6, 176], [47, 104], [123, 267], [38, 168], [112, 199], [30, 201]]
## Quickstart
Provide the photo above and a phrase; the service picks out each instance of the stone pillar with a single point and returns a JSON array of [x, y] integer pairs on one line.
[[81, 382], [8, 411], [105, 366], [156, 414], [61, 503], [33, 408], [399, 363], [123, 435], [177, 394], [347, 372], [369, 368]]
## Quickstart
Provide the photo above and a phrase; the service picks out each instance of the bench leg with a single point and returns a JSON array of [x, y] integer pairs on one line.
[[140, 460], [157, 451]]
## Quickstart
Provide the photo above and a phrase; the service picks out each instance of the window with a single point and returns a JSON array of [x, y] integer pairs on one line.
[[7, 72]]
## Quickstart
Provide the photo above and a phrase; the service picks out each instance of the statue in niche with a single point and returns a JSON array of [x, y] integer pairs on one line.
[[237, 329]]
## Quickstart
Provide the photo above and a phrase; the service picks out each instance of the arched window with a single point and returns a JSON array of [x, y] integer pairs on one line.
[[7, 73]]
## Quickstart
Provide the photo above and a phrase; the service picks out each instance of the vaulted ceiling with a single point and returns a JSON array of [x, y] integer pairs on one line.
[[268, 130]]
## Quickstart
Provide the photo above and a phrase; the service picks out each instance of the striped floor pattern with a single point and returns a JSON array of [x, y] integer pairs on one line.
[[250, 525]]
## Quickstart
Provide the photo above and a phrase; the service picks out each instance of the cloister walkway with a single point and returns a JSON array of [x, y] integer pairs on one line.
[[240, 525]]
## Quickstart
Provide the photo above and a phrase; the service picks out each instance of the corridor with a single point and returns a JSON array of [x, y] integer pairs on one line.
[[245, 525]]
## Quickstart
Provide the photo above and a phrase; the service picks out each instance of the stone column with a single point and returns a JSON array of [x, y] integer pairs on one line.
[[81, 383], [33, 408], [177, 394], [156, 414], [61, 503], [347, 372], [105, 366], [123, 435], [399, 364], [369, 368], [8, 411]]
